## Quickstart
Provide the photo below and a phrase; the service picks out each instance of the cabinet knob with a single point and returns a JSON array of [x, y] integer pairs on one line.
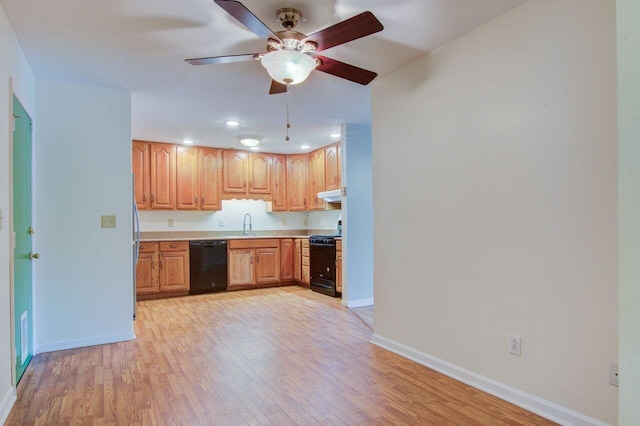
[[152, 198], [195, 200], [144, 198], [251, 260], [202, 200]]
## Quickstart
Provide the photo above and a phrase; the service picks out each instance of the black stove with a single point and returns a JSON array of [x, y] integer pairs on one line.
[[322, 264]]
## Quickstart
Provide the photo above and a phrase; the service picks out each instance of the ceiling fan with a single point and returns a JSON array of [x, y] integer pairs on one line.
[[291, 55]]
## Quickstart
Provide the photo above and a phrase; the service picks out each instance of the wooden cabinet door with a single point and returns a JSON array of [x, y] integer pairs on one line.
[[259, 173], [210, 181], [297, 182], [174, 271], [287, 254], [331, 167], [316, 179], [187, 178], [163, 176], [140, 167], [297, 261], [339, 272], [147, 277], [267, 265], [235, 171], [279, 187], [240, 265]]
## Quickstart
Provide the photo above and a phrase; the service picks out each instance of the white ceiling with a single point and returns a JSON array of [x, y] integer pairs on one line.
[[140, 45]]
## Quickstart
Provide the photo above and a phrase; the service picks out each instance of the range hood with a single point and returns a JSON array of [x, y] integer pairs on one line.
[[334, 196]]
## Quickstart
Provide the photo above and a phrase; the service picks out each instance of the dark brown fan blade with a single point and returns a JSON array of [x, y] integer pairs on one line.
[[222, 59], [246, 18], [346, 71], [342, 32], [277, 88]]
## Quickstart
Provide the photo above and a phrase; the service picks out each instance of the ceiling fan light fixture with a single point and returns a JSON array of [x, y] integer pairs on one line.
[[288, 66], [249, 142]]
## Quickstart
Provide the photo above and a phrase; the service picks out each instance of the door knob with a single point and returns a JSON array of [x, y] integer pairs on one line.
[[34, 256]]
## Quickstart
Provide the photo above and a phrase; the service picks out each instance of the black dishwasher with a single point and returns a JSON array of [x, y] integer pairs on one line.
[[208, 266]]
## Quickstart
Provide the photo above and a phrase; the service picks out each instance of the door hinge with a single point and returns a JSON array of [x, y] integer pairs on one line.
[[13, 122], [31, 231]]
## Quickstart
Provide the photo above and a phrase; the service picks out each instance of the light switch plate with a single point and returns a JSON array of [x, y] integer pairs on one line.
[[108, 221]]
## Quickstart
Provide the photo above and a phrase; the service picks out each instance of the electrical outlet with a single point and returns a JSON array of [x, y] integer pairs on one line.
[[283, 222], [514, 344], [221, 223], [108, 221], [170, 223], [613, 374]]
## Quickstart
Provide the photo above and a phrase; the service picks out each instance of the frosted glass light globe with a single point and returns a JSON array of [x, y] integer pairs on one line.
[[288, 66]]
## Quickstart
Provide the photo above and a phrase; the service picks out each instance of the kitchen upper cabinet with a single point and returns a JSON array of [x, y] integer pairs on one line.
[[316, 181], [210, 178], [140, 169], [247, 174], [332, 167], [297, 182], [287, 253], [163, 176], [279, 184], [235, 171], [259, 173], [187, 178]]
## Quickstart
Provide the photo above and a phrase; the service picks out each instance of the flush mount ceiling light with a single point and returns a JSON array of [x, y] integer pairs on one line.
[[187, 141], [255, 148], [304, 147], [249, 142], [288, 66], [335, 135], [232, 123]]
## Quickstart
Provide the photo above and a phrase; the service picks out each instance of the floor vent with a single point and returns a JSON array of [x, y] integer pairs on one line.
[[24, 338]]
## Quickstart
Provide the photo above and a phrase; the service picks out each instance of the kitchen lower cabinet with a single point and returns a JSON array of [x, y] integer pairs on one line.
[[287, 253], [163, 268], [339, 266], [147, 269], [253, 262], [306, 273], [297, 260]]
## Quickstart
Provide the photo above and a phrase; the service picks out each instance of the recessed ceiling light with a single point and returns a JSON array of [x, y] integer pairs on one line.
[[304, 147], [232, 123], [187, 141], [335, 135], [255, 148], [249, 141]]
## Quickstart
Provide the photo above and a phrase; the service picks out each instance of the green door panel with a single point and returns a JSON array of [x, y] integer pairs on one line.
[[23, 306]]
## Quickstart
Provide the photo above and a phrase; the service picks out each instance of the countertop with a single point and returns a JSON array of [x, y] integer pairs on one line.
[[231, 235]]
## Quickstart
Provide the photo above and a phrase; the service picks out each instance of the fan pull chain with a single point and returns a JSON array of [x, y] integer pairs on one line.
[[288, 124]]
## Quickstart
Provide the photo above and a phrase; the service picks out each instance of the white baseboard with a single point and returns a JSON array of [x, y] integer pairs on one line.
[[542, 407], [7, 404], [359, 303], [79, 343]]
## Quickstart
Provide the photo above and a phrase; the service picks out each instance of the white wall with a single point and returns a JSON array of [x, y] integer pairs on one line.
[[232, 214], [358, 224], [495, 203], [83, 160], [12, 65], [629, 207]]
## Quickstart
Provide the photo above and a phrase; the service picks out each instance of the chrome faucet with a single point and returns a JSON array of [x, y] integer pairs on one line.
[[244, 225]]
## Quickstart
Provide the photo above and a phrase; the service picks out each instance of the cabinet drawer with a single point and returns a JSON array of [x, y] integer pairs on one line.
[[148, 247], [250, 243], [305, 251], [174, 246], [305, 242], [338, 245], [305, 261]]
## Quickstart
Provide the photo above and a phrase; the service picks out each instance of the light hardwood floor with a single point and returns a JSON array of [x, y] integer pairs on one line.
[[273, 356]]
